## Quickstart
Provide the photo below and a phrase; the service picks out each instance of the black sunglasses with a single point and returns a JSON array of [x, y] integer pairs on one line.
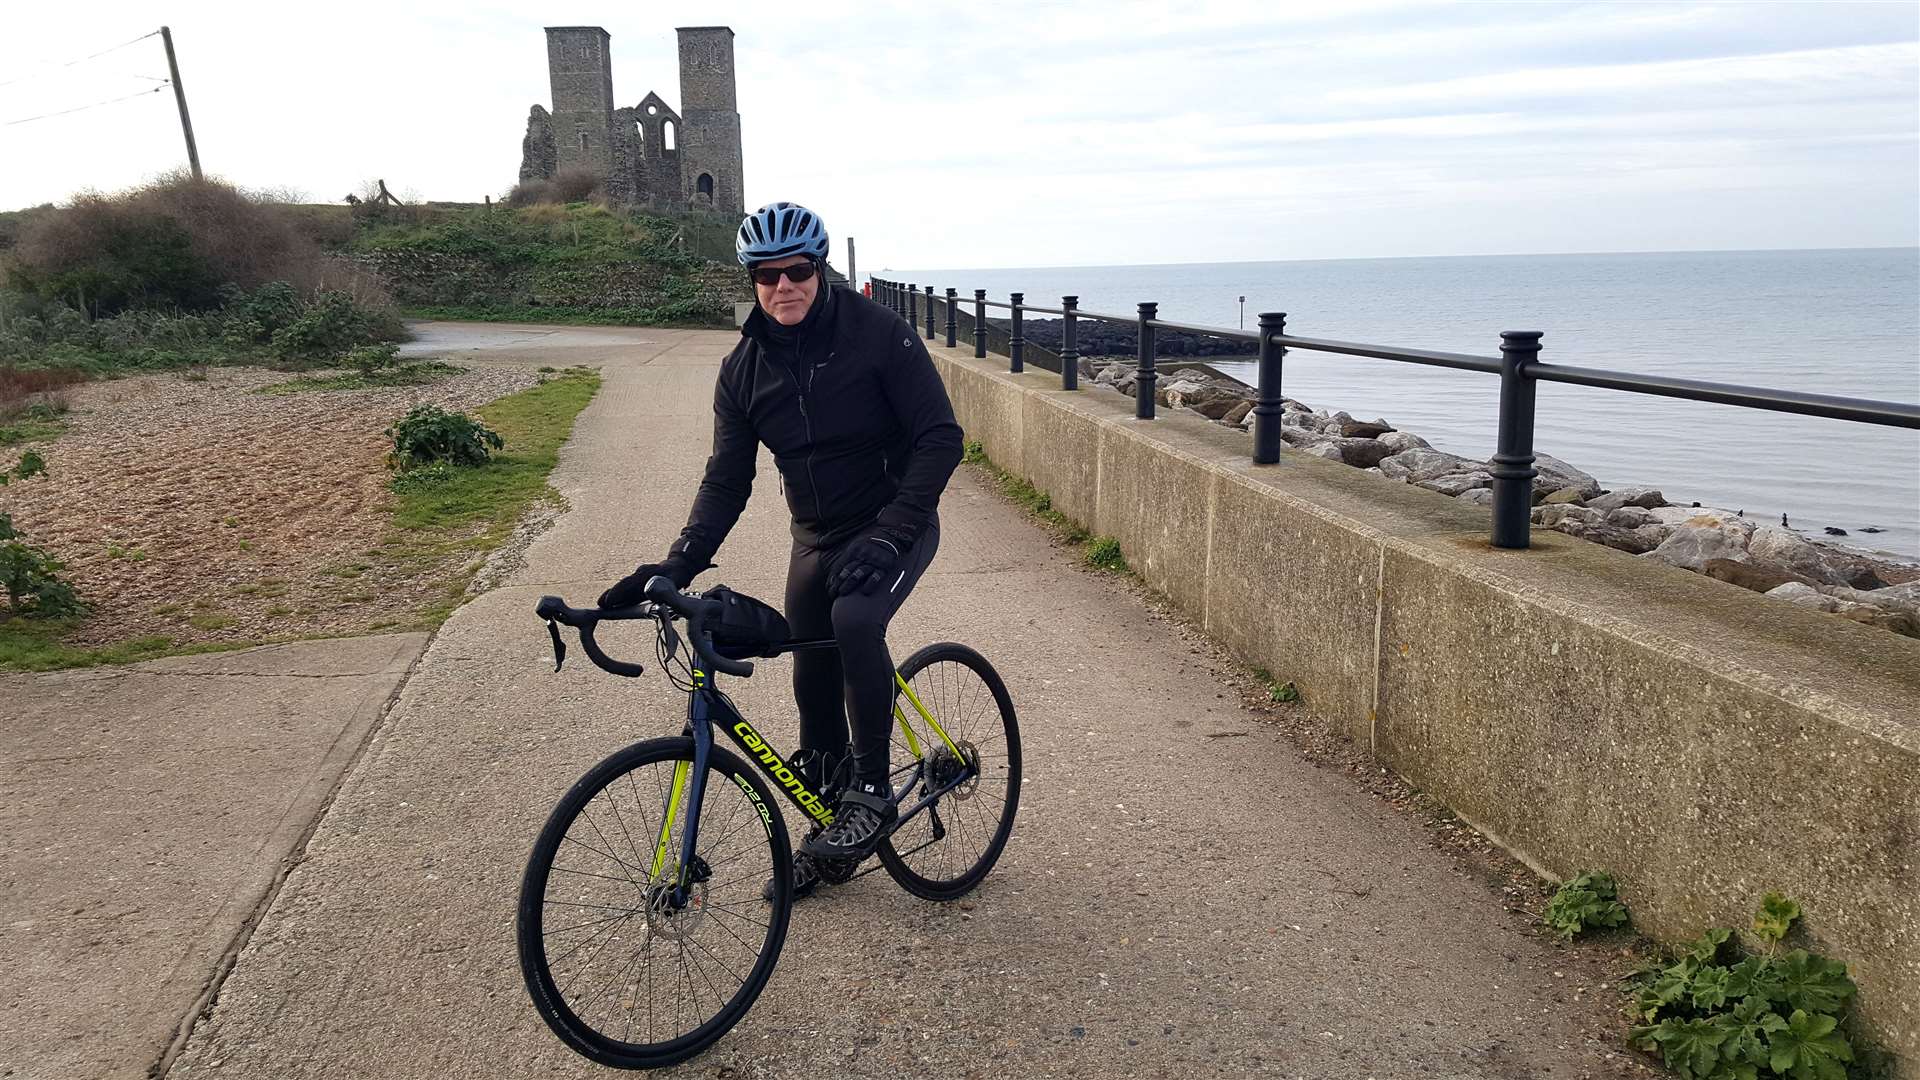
[[770, 275]]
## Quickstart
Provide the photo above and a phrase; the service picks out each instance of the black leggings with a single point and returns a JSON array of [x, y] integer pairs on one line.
[[857, 679]]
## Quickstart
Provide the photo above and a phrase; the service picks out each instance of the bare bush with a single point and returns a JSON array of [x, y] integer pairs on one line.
[[575, 185], [172, 243], [571, 186]]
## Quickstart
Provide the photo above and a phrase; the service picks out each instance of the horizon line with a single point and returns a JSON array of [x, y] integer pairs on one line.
[[1476, 255]]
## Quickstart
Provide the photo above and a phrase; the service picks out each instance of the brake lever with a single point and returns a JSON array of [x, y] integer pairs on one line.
[[559, 646], [671, 637]]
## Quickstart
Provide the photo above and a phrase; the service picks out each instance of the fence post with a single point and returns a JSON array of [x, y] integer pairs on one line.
[[929, 313], [1016, 346], [1144, 375], [953, 322], [980, 324], [1513, 470], [1069, 344], [1267, 412], [913, 304]]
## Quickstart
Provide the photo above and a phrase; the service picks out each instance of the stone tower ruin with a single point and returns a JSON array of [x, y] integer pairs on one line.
[[646, 153]]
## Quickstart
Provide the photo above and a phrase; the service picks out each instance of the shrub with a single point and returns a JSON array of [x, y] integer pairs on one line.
[[331, 325], [429, 434], [570, 186], [1583, 903], [169, 244], [1720, 1012], [371, 360], [31, 578]]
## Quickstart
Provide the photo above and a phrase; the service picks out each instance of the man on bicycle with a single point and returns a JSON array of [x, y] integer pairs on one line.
[[843, 392]]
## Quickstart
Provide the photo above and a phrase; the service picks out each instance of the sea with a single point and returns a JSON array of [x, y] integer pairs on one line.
[[1843, 322]]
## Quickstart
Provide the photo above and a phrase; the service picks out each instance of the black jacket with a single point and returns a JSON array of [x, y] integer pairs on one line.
[[857, 419]]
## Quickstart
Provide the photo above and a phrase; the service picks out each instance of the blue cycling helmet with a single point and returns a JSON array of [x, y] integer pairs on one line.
[[778, 230]]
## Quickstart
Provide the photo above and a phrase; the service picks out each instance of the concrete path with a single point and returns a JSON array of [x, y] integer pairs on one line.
[[1172, 902], [145, 813]]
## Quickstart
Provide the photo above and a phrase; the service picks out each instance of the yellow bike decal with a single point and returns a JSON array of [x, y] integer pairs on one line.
[[680, 769], [913, 743]]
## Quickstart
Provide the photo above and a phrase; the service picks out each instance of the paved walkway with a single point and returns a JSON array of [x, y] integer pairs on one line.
[[1171, 904], [145, 813]]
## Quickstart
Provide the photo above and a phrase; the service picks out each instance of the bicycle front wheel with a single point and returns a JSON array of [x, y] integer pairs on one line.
[[956, 731], [633, 960]]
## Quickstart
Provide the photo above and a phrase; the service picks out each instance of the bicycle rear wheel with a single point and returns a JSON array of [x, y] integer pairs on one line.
[[631, 963], [944, 851]]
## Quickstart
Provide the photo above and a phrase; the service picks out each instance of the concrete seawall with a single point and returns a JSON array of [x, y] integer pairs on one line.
[[1587, 709]]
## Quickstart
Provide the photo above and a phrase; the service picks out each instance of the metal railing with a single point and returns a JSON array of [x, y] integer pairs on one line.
[[1518, 366]]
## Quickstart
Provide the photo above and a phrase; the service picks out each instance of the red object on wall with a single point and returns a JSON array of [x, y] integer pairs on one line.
[[867, 289]]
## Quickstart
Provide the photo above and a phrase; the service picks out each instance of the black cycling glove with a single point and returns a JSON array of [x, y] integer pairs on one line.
[[632, 589], [868, 565]]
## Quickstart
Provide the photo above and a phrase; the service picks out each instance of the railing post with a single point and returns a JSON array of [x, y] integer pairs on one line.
[[1267, 412], [1144, 375], [953, 321], [1069, 344], [1017, 346], [929, 313], [1513, 470], [980, 324], [913, 305]]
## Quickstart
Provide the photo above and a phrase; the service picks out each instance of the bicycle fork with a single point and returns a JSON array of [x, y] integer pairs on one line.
[[689, 787]]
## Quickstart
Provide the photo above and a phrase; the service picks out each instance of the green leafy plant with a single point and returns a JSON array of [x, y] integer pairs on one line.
[[1585, 902], [31, 464], [31, 578], [1104, 554], [1717, 1012], [1775, 917], [371, 360], [429, 433]]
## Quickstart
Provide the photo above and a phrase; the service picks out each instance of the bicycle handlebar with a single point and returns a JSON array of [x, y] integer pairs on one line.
[[660, 593]]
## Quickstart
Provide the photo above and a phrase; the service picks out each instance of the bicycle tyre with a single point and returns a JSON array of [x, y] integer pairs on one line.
[[729, 781], [962, 691]]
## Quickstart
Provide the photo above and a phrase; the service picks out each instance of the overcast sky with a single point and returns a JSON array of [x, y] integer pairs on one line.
[[1038, 134]]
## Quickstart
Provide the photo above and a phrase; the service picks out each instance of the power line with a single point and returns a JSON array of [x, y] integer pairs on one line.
[[82, 108], [84, 59]]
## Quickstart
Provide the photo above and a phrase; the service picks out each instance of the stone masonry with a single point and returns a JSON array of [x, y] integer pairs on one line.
[[647, 153]]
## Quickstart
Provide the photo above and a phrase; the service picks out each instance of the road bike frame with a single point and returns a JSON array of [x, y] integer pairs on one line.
[[707, 708]]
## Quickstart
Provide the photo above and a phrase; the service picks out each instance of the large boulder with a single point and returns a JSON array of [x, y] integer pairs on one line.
[[1555, 475], [1644, 497], [1414, 466], [1566, 495], [1792, 554], [1237, 413], [1898, 620], [1363, 429], [1629, 516], [1362, 453], [1553, 515], [1758, 577], [1478, 496], [1458, 483], [1325, 448], [1704, 537], [1399, 441], [1631, 541]]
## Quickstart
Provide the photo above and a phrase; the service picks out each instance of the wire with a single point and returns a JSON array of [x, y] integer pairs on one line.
[[164, 83], [84, 59]]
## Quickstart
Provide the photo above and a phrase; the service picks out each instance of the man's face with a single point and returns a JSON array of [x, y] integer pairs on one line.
[[787, 301]]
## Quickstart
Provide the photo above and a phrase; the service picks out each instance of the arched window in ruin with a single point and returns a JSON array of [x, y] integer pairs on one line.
[[704, 186], [667, 136], [583, 140]]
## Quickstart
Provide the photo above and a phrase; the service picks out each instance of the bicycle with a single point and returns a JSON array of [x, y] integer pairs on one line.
[[634, 865]]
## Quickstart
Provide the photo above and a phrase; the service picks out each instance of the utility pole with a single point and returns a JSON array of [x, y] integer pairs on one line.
[[853, 267], [180, 96]]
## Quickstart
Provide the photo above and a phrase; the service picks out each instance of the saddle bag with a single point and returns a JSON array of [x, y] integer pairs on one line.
[[746, 626]]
